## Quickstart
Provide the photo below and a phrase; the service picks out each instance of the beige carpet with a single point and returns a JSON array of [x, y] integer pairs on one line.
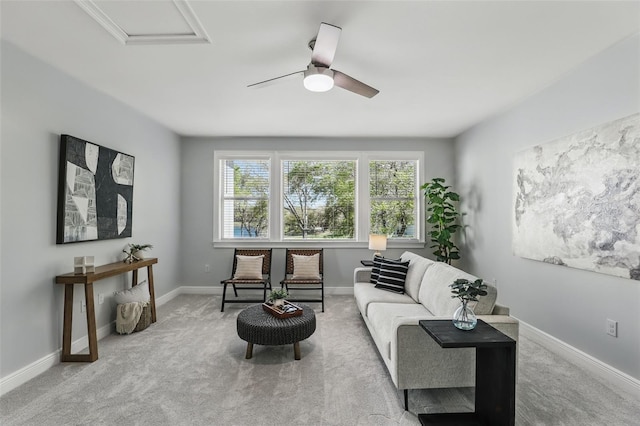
[[189, 369]]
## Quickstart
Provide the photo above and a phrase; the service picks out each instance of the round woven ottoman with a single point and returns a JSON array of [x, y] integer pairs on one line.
[[255, 326]]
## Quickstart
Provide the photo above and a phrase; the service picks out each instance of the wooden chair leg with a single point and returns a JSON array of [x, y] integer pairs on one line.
[[224, 294], [322, 295], [234, 290]]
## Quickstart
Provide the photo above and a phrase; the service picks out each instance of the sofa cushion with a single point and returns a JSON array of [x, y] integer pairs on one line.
[[435, 293], [365, 294], [382, 316], [417, 267], [392, 275]]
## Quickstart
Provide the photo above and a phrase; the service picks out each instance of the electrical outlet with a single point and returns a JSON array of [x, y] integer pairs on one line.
[[100, 299], [207, 268], [612, 328], [83, 306]]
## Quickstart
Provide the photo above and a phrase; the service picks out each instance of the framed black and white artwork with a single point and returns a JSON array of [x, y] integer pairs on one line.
[[577, 200], [95, 192]]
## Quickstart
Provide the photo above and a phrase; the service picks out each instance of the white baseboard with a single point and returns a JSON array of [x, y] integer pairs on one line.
[[217, 290], [38, 367], [15, 379], [598, 368], [32, 370]]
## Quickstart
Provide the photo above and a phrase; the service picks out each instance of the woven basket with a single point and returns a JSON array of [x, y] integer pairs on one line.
[[145, 318]]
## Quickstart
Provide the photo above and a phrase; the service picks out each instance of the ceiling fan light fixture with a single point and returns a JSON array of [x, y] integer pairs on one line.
[[318, 79]]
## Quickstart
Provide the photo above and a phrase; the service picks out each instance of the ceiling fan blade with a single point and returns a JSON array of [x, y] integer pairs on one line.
[[325, 45], [351, 84], [275, 80]]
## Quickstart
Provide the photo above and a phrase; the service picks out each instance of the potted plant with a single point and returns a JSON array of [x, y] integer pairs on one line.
[[464, 318], [136, 252], [442, 215], [276, 297]]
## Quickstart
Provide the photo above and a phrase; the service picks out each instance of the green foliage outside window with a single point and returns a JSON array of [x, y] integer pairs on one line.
[[392, 191]]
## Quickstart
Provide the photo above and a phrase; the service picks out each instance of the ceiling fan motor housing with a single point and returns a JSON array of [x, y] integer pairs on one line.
[[318, 78]]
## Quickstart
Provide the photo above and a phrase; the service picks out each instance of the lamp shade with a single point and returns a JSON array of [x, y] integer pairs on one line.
[[377, 242]]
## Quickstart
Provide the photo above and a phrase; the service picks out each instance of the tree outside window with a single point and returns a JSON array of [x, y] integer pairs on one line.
[[319, 199], [392, 186], [246, 198]]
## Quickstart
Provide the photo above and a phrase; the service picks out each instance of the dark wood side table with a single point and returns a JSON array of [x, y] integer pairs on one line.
[[101, 272], [495, 373], [367, 263]]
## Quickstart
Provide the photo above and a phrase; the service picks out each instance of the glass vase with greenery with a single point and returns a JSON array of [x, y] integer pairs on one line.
[[464, 318]]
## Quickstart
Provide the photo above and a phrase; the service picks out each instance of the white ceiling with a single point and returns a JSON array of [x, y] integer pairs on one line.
[[440, 66]]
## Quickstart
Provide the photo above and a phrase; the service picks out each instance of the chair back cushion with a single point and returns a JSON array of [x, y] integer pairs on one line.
[[306, 267], [303, 263], [248, 267]]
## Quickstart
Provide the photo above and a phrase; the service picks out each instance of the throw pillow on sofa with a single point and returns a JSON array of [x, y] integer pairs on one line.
[[392, 276], [375, 270]]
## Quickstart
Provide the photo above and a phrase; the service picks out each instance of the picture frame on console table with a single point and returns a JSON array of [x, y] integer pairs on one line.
[[95, 192]]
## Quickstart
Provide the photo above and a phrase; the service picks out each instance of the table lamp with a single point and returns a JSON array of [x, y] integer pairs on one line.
[[377, 243]]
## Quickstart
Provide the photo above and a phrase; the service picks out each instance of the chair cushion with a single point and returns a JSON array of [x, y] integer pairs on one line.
[[306, 267], [392, 275], [248, 267]]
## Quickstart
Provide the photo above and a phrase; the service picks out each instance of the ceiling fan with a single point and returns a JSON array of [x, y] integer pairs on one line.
[[319, 77]]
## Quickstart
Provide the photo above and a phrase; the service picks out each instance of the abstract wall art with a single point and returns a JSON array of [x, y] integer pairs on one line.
[[95, 192], [577, 200]]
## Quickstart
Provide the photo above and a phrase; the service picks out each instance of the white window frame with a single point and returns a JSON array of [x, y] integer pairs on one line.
[[276, 216]]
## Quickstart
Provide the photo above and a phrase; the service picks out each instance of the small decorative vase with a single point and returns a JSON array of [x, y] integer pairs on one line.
[[464, 318], [139, 254], [278, 302]]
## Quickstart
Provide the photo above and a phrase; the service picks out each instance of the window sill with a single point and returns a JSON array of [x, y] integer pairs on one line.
[[323, 244]]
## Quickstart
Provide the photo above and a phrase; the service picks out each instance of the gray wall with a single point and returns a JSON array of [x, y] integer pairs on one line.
[[197, 197], [569, 304], [38, 104]]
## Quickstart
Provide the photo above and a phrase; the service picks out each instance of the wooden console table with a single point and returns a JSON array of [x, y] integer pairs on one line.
[[102, 272]]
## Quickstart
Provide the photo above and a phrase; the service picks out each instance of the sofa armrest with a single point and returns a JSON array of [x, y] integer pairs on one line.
[[423, 363], [499, 309], [361, 275]]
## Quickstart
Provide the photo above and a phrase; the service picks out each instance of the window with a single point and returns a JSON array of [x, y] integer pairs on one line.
[[392, 189], [245, 198], [317, 197]]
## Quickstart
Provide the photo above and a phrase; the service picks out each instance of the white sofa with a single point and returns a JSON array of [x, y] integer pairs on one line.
[[413, 358]]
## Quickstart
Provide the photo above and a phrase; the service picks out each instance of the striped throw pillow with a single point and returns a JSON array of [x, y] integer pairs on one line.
[[375, 271], [248, 267], [392, 275]]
